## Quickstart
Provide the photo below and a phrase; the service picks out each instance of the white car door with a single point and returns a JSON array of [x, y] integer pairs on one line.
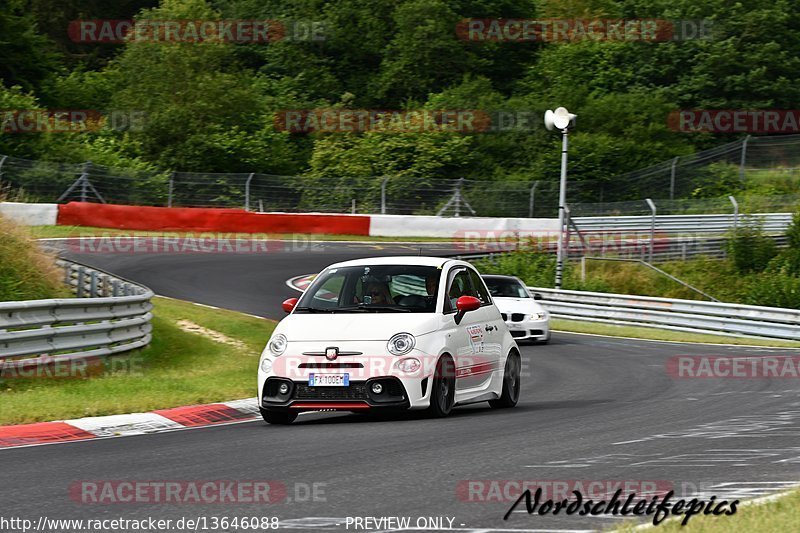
[[474, 362]]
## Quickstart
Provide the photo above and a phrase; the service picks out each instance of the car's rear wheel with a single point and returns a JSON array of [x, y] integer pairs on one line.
[[443, 392], [278, 416], [511, 383]]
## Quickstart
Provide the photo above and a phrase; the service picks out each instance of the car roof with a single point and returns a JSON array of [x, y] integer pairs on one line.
[[417, 260]]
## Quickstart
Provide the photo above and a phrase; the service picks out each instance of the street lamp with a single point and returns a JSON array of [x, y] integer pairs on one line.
[[561, 120]]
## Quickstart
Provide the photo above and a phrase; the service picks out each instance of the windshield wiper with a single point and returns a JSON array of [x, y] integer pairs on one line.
[[313, 309], [377, 308]]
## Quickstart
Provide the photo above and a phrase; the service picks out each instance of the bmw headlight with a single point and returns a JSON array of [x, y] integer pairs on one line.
[[401, 344], [277, 345], [540, 316]]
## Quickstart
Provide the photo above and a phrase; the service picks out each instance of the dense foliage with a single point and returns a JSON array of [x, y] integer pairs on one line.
[[211, 107]]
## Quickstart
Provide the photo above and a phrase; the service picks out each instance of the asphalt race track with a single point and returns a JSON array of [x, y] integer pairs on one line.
[[592, 409]]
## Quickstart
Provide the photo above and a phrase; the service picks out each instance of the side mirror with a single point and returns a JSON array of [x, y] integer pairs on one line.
[[288, 305], [467, 303], [537, 296]]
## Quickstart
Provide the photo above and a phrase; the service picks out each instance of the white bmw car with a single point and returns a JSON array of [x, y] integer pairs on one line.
[[526, 319], [389, 333]]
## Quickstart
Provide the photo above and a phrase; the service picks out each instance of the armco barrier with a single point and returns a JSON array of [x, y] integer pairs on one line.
[[110, 315], [682, 224], [207, 220], [680, 315]]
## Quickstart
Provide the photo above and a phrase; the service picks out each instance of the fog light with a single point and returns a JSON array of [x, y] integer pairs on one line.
[[377, 388], [284, 388], [266, 365]]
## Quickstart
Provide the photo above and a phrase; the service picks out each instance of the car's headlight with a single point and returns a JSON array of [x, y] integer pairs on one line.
[[266, 365], [539, 316], [401, 344], [277, 345]]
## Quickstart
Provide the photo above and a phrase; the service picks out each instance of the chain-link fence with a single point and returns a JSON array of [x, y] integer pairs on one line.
[[699, 183], [712, 172], [57, 182]]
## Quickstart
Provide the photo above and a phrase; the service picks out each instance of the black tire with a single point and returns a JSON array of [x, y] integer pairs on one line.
[[443, 390], [281, 417], [511, 383]]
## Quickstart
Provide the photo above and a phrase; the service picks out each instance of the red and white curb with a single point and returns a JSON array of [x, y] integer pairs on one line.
[[172, 419]]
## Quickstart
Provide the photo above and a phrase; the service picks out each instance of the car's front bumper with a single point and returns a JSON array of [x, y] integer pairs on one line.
[[408, 389], [357, 395], [533, 330]]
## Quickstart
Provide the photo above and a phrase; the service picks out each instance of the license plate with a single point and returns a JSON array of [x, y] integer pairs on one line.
[[515, 326], [329, 380]]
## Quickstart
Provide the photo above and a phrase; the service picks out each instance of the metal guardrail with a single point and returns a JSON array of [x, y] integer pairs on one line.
[[109, 316], [664, 249], [679, 315], [682, 224]]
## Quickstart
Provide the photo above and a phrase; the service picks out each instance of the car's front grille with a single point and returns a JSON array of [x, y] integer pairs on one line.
[[505, 316], [356, 391], [330, 365], [517, 317], [519, 333]]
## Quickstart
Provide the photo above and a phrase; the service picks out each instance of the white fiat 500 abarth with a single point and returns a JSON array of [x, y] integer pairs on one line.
[[389, 333]]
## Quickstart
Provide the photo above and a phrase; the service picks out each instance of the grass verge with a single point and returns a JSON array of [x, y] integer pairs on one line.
[[577, 326], [26, 272], [177, 368], [776, 516], [54, 232]]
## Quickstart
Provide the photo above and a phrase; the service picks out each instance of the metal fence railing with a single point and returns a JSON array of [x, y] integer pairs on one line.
[[610, 246], [695, 183], [110, 315], [680, 315], [702, 172]]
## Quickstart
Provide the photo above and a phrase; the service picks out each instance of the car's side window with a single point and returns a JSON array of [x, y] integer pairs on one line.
[[480, 288], [459, 285]]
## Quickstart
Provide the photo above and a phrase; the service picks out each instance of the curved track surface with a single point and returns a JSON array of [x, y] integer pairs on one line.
[[592, 409]]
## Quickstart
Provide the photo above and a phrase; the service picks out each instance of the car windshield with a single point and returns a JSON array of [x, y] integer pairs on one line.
[[372, 288], [506, 288]]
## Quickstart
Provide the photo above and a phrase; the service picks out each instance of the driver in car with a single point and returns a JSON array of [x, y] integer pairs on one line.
[[378, 293]]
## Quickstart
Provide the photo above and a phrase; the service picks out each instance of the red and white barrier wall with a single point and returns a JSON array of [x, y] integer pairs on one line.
[[193, 219], [30, 214]]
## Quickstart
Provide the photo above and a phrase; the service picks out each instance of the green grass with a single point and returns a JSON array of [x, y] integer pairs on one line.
[[577, 326], [26, 273], [178, 368], [773, 517], [52, 232]]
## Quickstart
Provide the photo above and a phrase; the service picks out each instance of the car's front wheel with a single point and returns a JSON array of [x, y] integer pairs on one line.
[[511, 383], [443, 392], [277, 416]]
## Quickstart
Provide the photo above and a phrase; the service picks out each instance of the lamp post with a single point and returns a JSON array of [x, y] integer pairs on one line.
[[561, 120]]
